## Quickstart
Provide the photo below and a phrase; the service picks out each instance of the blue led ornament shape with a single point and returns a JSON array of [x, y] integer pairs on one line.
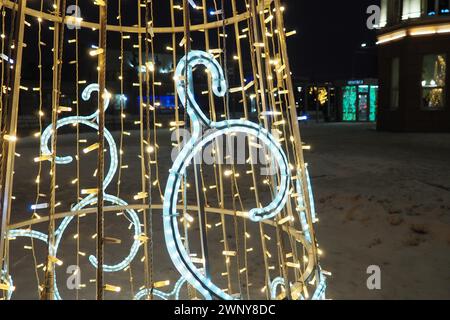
[[88, 121], [92, 122], [175, 247], [175, 293], [319, 293], [6, 280]]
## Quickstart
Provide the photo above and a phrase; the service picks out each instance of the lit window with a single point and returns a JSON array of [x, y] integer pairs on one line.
[[411, 9], [395, 82], [433, 81], [350, 96]]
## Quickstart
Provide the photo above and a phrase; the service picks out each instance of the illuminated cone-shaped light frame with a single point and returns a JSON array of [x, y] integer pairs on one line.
[[290, 211]]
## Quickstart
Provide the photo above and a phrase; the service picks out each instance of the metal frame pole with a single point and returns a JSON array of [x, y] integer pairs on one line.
[[103, 14], [11, 130]]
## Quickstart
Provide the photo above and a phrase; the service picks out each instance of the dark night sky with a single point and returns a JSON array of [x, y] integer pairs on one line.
[[327, 44], [329, 33]]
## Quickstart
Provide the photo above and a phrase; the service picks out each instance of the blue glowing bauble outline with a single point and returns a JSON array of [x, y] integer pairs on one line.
[[278, 282], [311, 197], [86, 95], [27, 233], [134, 220], [7, 279], [42, 237], [175, 247], [38, 236], [175, 293], [302, 214], [319, 293], [90, 199]]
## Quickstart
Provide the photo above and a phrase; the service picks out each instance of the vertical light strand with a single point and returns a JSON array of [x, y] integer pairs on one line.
[[187, 48], [210, 101], [261, 102], [103, 17], [78, 178], [2, 132], [58, 45], [142, 105], [301, 167], [2, 80], [281, 85], [5, 122], [221, 173], [233, 182], [39, 115], [149, 82], [273, 179], [121, 100], [246, 116], [122, 119], [200, 194], [174, 62], [301, 170], [10, 114]]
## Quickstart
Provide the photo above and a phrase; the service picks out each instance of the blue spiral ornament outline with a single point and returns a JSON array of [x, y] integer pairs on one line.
[[175, 247], [92, 122]]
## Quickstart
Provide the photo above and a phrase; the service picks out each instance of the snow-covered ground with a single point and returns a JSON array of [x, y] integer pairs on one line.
[[382, 198]]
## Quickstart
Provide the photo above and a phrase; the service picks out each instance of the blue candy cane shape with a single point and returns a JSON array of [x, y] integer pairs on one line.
[[175, 247]]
